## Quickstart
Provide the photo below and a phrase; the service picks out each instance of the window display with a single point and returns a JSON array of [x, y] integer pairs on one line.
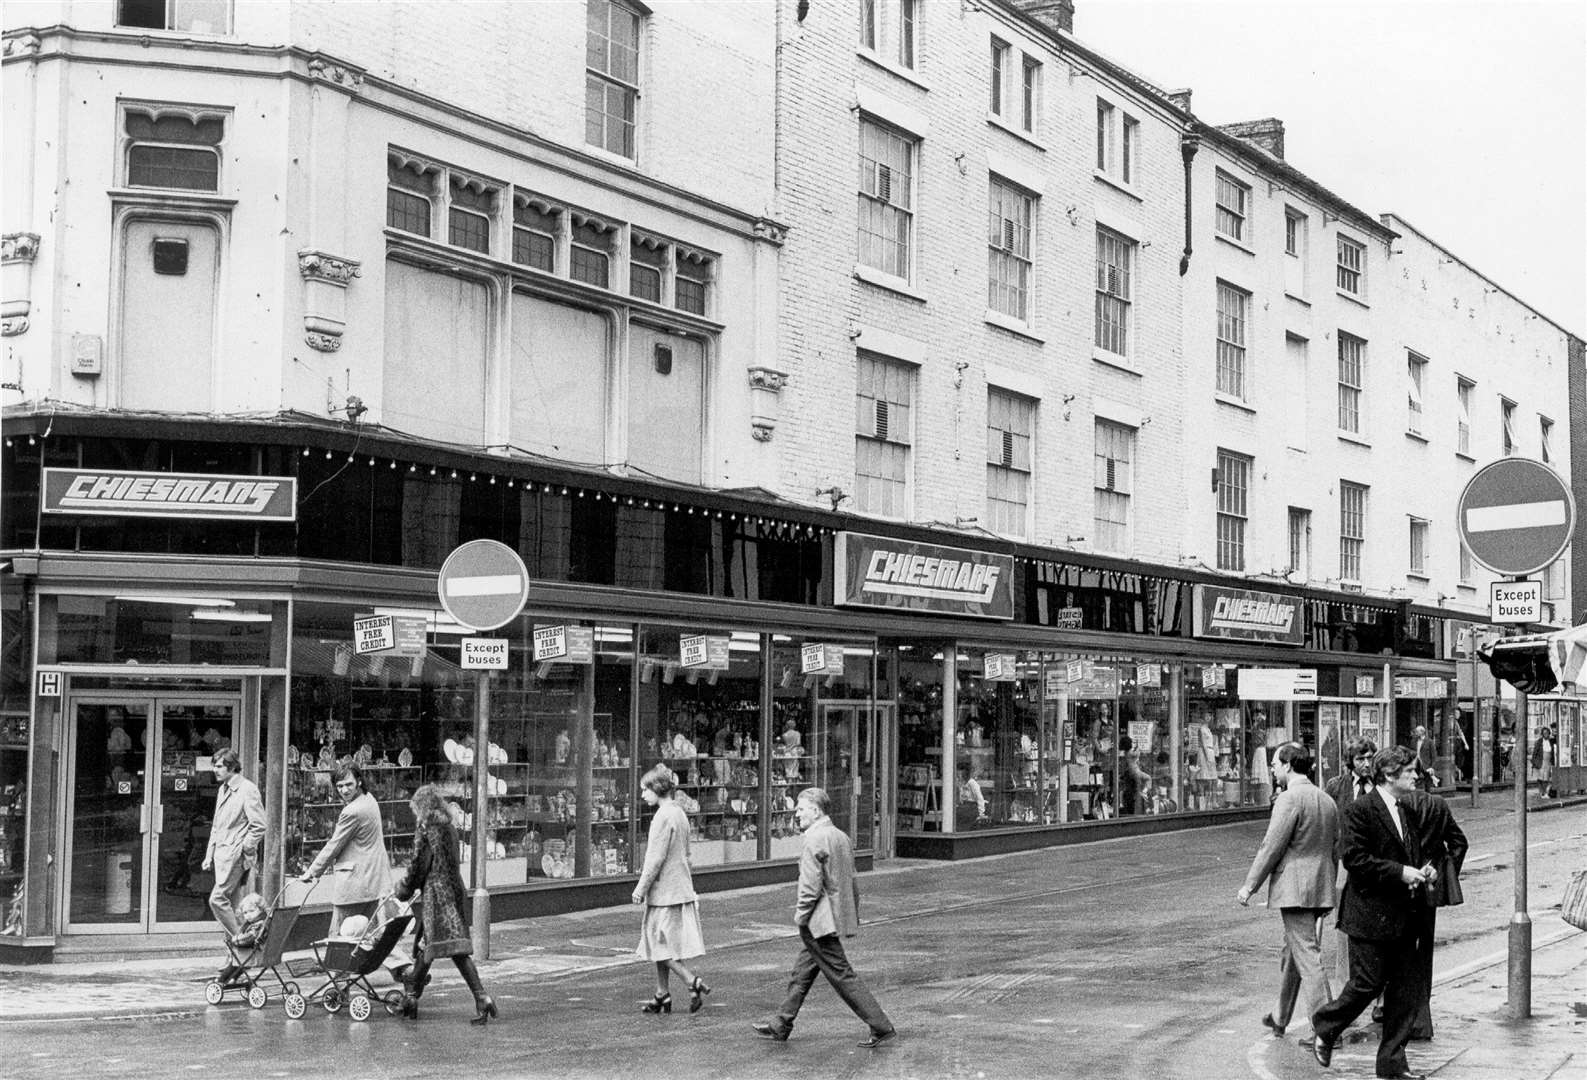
[[914, 678], [13, 819]]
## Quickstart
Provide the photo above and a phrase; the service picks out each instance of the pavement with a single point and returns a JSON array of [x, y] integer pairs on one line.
[[1477, 1037]]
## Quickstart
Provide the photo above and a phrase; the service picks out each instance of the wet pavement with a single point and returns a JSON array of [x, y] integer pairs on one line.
[[1118, 958]]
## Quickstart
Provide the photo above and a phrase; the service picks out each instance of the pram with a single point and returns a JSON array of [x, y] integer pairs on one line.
[[251, 963], [346, 965]]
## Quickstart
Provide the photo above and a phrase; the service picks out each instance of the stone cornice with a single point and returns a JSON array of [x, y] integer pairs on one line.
[[19, 247]]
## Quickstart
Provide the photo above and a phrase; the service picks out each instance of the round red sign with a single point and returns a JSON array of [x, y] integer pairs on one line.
[[483, 584], [1516, 516]]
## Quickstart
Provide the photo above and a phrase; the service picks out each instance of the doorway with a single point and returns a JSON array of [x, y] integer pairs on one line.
[[850, 761], [140, 794]]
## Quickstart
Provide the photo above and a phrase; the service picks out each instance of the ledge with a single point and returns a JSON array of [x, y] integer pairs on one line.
[[898, 70], [1026, 137], [1116, 362], [1352, 298], [1223, 238], [887, 281], [1118, 185], [1013, 326], [1234, 403], [1353, 440], [1416, 436], [1301, 300]]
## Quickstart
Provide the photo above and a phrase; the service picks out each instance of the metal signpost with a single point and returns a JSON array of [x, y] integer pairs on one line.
[[483, 585], [1515, 518]]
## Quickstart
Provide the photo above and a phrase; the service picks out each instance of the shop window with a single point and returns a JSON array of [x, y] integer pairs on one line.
[[107, 629], [914, 679]]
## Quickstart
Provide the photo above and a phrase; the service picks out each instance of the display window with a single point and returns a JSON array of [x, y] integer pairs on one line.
[[15, 740], [912, 676]]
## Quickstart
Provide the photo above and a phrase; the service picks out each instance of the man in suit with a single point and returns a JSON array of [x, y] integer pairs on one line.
[[234, 834], [1380, 913], [1297, 860], [1350, 785], [1443, 845], [356, 852], [826, 911]]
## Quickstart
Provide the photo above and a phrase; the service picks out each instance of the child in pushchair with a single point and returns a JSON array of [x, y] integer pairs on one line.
[[347, 960], [255, 950]]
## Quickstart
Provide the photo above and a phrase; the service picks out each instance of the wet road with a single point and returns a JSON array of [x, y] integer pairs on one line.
[[1123, 958]]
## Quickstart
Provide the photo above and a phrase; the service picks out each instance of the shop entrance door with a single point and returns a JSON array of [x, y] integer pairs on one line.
[[1336, 723], [139, 798], [848, 761]]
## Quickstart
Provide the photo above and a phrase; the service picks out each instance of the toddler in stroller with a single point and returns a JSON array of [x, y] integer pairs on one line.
[[347, 960], [254, 951]]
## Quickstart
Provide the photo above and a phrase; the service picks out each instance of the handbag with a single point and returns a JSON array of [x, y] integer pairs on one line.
[[1574, 907]]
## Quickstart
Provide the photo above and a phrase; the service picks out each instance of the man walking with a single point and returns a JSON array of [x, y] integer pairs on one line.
[[1297, 860], [234, 835], [1444, 846], [1380, 911], [1352, 784], [827, 911]]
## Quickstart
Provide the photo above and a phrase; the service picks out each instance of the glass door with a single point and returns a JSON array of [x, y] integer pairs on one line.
[[138, 812], [847, 754]]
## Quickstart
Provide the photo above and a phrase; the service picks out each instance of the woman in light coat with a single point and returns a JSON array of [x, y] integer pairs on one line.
[[670, 933]]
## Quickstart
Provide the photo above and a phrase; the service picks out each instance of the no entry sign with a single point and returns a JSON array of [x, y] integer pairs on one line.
[[483, 584], [1516, 516]]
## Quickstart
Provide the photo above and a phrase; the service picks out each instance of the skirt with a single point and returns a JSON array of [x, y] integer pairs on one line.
[[671, 932]]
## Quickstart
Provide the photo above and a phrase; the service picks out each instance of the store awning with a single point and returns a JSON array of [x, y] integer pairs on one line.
[[1567, 656]]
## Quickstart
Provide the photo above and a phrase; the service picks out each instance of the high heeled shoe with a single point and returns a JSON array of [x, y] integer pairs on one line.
[[487, 1011], [661, 1003], [697, 992]]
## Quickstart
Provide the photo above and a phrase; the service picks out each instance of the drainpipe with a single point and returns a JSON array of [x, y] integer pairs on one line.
[[1189, 143]]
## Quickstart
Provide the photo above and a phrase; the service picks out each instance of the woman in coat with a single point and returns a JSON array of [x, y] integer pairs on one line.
[[670, 932], [1543, 762], [443, 928]]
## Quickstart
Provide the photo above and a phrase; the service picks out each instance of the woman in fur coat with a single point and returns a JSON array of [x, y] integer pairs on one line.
[[443, 927]]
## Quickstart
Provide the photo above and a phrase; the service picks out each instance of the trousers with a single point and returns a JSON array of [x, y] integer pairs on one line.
[[1300, 964], [1386, 967], [227, 892], [825, 956]]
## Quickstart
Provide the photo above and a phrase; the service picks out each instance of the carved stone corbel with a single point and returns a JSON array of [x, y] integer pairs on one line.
[[340, 74], [765, 384], [17, 252], [24, 44], [773, 232], [325, 281]]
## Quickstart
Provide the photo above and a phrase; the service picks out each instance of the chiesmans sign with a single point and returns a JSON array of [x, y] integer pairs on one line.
[[874, 571], [119, 493], [1247, 615]]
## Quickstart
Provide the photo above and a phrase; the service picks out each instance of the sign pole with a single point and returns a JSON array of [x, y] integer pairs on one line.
[[479, 848], [1476, 711], [1520, 922]]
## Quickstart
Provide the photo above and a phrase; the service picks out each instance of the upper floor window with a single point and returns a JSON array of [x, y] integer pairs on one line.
[[409, 189], [173, 148], [1545, 437], [647, 262], [691, 281], [886, 198], [889, 28], [1418, 552], [1300, 542], [1415, 382], [1234, 482], [1232, 305], [192, 16], [1352, 529], [469, 215], [1507, 419], [535, 226], [1463, 389], [884, 398], [590, 250], [611, 76], [1352, 267], [1115, 261], [1117, 136], [1000, 74], [1112, 484], [1009, 214], [1352, 365], [1234, 207], [1010, 423], [1029, 94]]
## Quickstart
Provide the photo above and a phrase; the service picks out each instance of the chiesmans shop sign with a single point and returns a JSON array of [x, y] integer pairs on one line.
[[1247, 615], [874, 571], [120, 493]]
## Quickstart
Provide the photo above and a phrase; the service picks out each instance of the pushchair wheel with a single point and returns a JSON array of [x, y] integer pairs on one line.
[[257, 997], [295, 1006], [359, 1007], [292, 988], [214, 992], [333, 1000], [393, 1001]]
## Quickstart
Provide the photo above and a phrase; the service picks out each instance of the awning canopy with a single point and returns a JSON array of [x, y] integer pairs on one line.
[[1567, 656]]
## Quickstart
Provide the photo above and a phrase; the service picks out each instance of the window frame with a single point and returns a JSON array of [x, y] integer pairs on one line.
[[608, 79], [1231, 353], [1464, 390], [1545, 439], [1509, 445], [1110, 299], [1350, 266], [1352, 544], [154, 113], [1416, 393], [1225, 215], [896, 435], [889, 32], [1030, 80], [1011, 456], [1001, 52], [1298, 525], [905, 213], [1417, 553], [172, 21], [1233, 508], [1112, 487], [1003, 255], [1352, 352]]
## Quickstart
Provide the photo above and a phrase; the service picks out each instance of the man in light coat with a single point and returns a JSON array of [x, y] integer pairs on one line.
[[1297, 860], [356, 852], [827, 911], [234, 834]]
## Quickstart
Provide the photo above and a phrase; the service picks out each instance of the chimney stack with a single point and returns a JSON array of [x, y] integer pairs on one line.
[[1268, 134], [1053, 14], [1180, 99]]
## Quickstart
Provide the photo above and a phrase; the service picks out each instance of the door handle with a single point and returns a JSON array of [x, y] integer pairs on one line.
[[159, 818], [143, 818]]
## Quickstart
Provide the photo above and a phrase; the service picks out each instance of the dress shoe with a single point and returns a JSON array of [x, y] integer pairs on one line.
[[877, 1038], [485, 1009], [1323, 1050], [767, 1031], [1274, 1025], [1406, 1075], [1377, 1015]]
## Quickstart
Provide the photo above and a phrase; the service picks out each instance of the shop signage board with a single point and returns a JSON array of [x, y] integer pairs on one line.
[[1099, 682], [1000, 667], [1075, 670], [691, 650], [1277, 684], [1366, 686], [485, 653], [1055, 687], [820, 659], [1149, 674], [1417, 686], [213, 496], [1515, 601], [1070, 618], [1212, 677], [550, 643], [880, 572], [483, 584], [49, 683], [1515, 516], [410, 632], [1246, 615], [375, 634]]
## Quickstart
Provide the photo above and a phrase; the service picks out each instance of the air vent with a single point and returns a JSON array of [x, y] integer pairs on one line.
[[881, 419], [1008, 451], [1113, 474], [663, 359], [884, 183], [170, 257]]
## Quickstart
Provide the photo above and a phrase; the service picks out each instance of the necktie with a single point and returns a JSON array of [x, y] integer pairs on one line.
[[1362, 787]]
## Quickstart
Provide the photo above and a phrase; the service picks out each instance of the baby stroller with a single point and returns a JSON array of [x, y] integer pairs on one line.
[[346, 964], [251, 963]]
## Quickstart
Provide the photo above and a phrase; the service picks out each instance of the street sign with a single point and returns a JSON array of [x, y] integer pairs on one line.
[[1515, 601], [1515, 516], [484, 653], [483, 584]]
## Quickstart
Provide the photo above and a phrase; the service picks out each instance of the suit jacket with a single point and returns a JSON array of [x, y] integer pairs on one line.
[[356, 854], [665, 878], [1342, 789], [1436, 830], [1377, 904], [236, 828], [829, 893], [1297, 854]]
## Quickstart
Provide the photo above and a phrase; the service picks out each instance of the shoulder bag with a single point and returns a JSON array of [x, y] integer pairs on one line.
[[1574, 907]]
